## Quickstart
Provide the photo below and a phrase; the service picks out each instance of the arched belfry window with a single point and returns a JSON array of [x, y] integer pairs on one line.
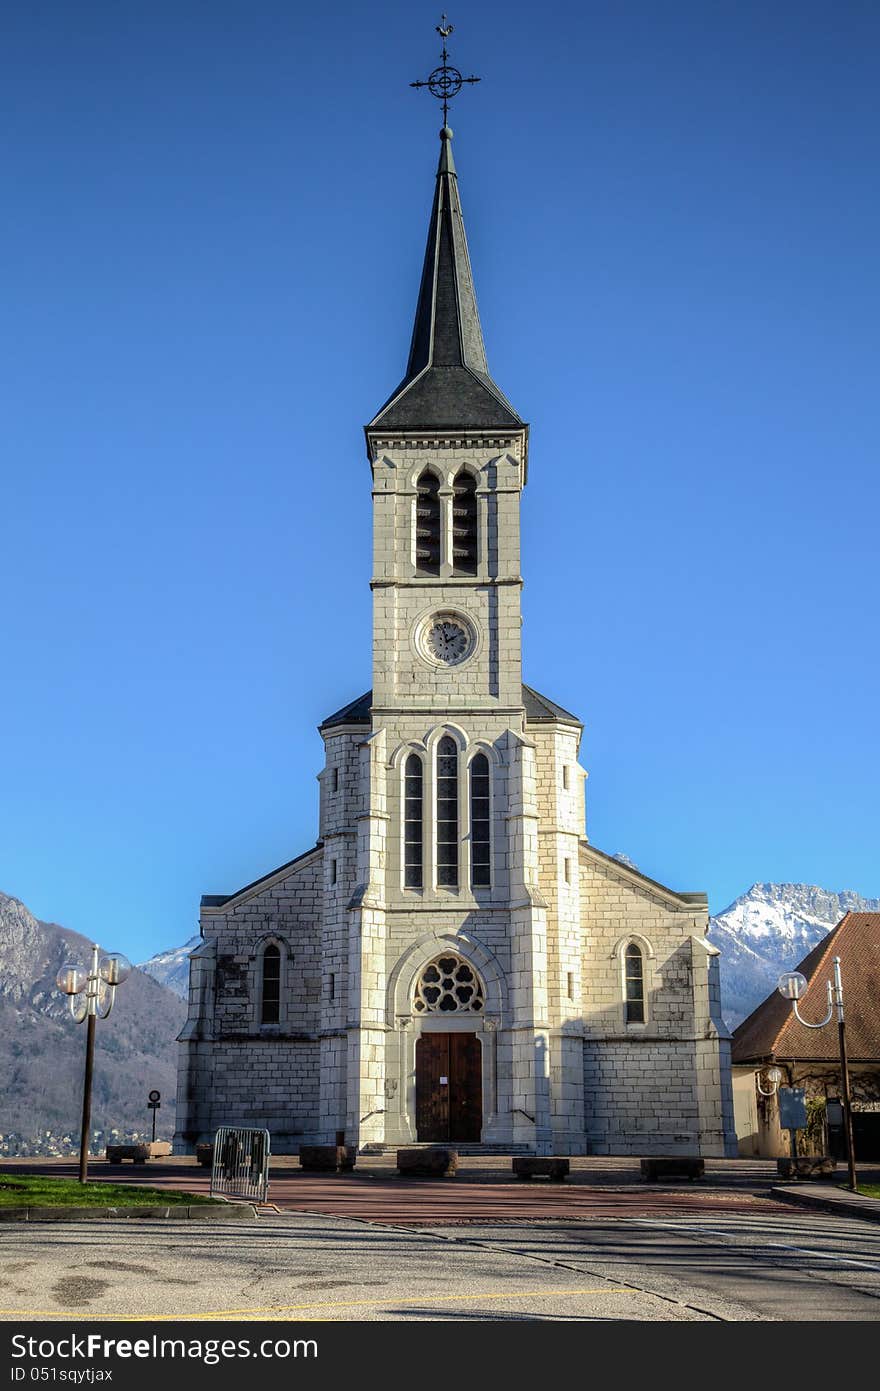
[[634, 984], [464, 524], [428, 524], [270, 994], [449, 985], [481, 870], [447, 813], [413, 849]]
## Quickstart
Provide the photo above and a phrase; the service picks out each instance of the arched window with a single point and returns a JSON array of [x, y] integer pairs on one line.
[[449, 986], [412, 822], [270, 1008], [428, 524], [480, 834], [464, 524], [634, 983], [447, 813]]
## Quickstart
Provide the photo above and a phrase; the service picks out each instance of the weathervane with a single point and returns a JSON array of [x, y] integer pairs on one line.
[[446, 81]]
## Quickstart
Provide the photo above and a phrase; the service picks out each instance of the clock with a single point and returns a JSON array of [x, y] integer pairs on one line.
[[445, 639]]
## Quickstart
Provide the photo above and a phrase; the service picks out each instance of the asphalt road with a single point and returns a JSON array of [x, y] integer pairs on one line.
[[718, 1266]]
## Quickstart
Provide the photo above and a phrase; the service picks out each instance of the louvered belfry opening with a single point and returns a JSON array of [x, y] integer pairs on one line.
[[412, 822], [428, 524], [464, 524]]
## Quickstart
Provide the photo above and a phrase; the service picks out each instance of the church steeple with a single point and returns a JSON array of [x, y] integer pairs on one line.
[[447, 383]]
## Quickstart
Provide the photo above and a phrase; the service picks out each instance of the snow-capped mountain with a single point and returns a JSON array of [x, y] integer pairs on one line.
[[770, 929], [171, 968]]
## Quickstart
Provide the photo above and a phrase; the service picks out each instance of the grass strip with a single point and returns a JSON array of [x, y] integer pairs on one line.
[[41, 1191]]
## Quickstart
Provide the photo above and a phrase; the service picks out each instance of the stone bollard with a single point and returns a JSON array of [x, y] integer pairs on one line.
[[327, 1158], [435, 1162]]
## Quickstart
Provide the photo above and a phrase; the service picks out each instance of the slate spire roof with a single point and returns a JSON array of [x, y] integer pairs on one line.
[[447, 382]]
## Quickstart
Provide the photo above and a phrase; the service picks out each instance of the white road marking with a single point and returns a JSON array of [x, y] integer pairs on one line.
[[762, 1244]]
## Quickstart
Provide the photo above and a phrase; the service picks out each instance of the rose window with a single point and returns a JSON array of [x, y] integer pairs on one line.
[[448, 985]]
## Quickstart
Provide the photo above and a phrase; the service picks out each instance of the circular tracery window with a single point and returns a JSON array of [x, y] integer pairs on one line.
[[449, 985]]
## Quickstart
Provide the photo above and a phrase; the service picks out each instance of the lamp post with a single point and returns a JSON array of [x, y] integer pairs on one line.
[[92, 993], [792, 985]]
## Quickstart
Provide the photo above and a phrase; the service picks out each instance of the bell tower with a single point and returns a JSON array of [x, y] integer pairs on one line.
[[448, 454]]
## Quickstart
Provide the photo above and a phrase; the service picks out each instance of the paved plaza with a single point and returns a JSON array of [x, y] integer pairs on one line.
[[371, 1246]]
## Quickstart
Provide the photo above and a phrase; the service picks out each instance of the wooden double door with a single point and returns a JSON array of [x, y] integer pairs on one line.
[[449, 1087]]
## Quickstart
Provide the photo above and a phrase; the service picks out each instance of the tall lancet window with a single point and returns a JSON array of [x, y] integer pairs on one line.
[[464, 524], [428, 524], [447, 813], [270, 1011], [481, 874], [634, 980], [413, 857]]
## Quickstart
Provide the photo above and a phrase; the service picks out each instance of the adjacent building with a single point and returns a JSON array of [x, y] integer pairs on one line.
[[810, 1058]]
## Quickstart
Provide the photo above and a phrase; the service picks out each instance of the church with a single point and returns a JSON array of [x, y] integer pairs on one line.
[[453, 961]]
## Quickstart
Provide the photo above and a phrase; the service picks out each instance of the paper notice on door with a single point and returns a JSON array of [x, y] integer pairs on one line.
[[444, 1081]]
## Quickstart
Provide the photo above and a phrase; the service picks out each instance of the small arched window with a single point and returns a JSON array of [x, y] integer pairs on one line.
[[634, 984], [480, 831], [447, 812], [428, 524], [270, 1007], [413, 857], [464, 524]]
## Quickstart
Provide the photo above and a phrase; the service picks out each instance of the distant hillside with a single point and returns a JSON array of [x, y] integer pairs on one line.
[[42, 1049]]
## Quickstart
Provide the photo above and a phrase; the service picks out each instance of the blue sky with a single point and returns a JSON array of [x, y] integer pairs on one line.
[[212, 236]]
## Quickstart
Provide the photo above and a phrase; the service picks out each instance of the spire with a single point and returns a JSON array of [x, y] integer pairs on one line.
[[447, 382]]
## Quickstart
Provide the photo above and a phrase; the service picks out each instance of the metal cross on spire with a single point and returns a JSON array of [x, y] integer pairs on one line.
[[445, 82]]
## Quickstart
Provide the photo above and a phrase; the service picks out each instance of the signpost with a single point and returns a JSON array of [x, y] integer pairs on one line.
[[153, 1105]]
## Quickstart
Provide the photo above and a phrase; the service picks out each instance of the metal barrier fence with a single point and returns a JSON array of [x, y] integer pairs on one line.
[[241, 1163]]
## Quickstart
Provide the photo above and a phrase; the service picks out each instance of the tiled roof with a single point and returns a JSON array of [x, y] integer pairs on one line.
[[537, 707], [772, 1030]]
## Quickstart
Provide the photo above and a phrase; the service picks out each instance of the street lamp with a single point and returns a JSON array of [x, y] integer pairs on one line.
[[92, 992], [792, 985], [773, 1075]]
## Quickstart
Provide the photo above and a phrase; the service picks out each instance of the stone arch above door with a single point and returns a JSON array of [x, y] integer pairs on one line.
[[406, 974]]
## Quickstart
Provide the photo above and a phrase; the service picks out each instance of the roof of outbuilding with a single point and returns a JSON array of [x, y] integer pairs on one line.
[[773, 1030], [539, 710], [447, 383]]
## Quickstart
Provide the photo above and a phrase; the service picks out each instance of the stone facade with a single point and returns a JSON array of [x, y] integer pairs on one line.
[[564, 1066]]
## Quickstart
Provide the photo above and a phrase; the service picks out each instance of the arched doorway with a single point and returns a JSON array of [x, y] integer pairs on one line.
[[449, 1064]]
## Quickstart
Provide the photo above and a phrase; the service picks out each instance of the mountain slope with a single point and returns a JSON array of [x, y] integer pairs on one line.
[[42, 1049], [171, 968], [770, 929]]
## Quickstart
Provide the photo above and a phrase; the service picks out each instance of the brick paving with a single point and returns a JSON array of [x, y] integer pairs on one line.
[[482, 1191]]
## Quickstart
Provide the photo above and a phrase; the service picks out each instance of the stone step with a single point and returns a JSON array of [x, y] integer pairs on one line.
[[464, 1150]]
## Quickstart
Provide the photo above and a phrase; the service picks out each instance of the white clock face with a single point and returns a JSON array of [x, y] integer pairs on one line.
[[447, 641]]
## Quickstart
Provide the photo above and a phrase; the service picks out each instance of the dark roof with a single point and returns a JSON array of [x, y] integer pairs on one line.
[[356, 712], [220, 900], [537, 707], [773, 1031], [447, 382]]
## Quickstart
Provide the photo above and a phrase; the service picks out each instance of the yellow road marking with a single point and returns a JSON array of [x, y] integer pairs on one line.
[[322, 1304]]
